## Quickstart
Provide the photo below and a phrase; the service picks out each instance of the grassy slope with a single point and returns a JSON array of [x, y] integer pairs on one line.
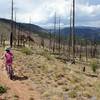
[[54, 79]]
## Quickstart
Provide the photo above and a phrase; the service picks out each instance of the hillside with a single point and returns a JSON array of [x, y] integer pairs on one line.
[[41, 76], [5, 26], [82, 32]]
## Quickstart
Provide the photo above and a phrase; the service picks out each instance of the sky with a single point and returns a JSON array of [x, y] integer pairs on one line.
[[42, 12]]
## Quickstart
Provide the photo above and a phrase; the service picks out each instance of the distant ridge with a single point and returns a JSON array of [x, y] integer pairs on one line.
[[82, 31], [35, 29]]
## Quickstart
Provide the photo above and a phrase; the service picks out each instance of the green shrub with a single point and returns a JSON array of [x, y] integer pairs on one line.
[[27, 51], [94, 66], [3, 89]]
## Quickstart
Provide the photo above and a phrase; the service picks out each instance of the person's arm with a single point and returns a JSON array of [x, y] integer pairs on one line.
[[3, 56], [12, 55]]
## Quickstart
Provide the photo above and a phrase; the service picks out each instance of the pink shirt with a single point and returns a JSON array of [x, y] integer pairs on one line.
[[9, 58]]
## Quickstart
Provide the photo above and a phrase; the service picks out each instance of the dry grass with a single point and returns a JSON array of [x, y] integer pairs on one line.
[[53, 78]]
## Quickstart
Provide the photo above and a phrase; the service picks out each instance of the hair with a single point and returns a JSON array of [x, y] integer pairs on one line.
[[7, 51]]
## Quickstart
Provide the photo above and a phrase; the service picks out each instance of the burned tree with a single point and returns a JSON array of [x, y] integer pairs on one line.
[[73, 33], [29, 33], [86, 50], [11, 35], [50, 40], [42, 42], [14, 37], [94, 49], [54, 37], [18, 35], [70, 34], [59, 37], [1, 38], [80, 50]]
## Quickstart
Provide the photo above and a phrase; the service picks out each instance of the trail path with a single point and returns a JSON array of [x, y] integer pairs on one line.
[[18, 88]]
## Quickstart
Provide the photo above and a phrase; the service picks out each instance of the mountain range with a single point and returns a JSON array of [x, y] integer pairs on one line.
[[81, 31]]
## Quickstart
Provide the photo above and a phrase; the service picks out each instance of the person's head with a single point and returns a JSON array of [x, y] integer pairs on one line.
[[7, 49]]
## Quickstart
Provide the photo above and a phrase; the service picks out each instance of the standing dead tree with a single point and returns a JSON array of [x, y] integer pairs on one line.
[[73, 33], [94, 49], [29, 33], [18, 35], [15, 26], [59, 38], [11, 35], [42, 42], [86, 50], [80, 50], [54, 37], [70, 34], [1, 38], [50, 40]]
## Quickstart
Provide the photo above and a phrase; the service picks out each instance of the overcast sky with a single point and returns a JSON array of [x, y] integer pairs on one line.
[[42, 11]]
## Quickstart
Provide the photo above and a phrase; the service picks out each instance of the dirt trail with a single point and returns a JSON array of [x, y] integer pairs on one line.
[[23, 91]]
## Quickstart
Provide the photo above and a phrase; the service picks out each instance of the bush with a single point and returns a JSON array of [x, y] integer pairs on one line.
[[27, 51], [94, 66], [72, 94], [3, 89]]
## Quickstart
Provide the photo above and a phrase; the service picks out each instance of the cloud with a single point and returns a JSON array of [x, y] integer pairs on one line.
[[42, 11]]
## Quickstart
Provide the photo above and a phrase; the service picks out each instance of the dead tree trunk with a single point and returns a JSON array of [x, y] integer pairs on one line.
[[59, 37], [50, 41], [1, 39], [18, 36], [42, 42], [86, 50], [11, 35], [80, 55], [70, 34], [73, 33], [94, 50], [54, 34], [91, 50], [15, 32]]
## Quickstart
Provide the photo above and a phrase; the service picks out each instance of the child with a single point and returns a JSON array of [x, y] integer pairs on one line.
[[8, 56]]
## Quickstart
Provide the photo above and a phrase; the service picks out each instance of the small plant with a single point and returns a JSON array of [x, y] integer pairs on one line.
[[3, 89], [27, 51], [16, 96], [94, 66], [72, 94]]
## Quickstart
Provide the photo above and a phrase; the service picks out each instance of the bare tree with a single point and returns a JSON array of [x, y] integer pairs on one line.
[[50, 40], [59, 37], [18, 35], [94, 49], [73, 33], [70, 34], [1, 38], [14, 37], [86, 50], [54, 38], [11, 35], [29, 34], [80, 55]]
